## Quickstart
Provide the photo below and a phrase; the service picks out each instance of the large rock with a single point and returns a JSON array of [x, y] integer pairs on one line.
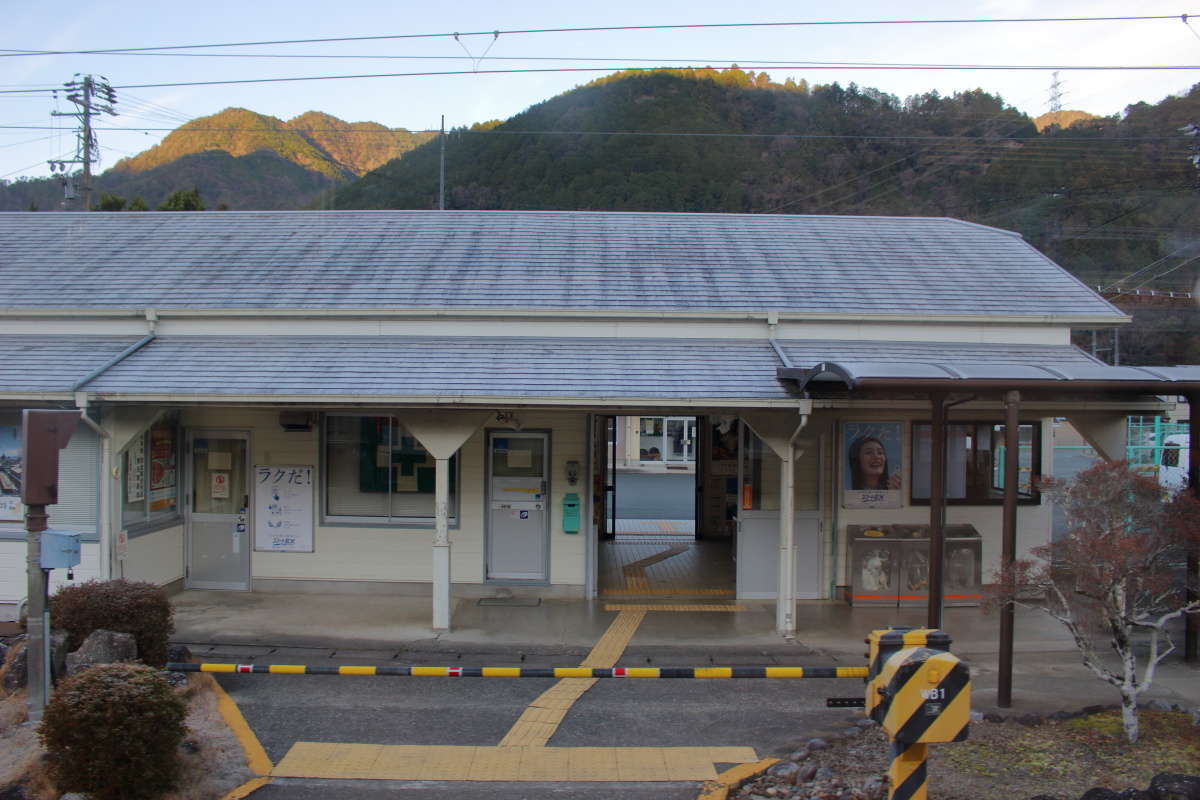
[[1172, 786], [102, 647]]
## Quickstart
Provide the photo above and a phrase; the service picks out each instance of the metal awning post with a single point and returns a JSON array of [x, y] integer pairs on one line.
[[937, 507], [1008, 551], [1192, 623]]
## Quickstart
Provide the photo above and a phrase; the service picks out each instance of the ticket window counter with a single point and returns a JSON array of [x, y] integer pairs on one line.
[[757, 547]]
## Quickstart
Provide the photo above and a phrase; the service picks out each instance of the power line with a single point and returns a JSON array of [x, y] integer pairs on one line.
[[602, 29], [1072, 142], [543, 70]]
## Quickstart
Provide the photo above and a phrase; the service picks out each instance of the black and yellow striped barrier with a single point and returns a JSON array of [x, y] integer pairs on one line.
[[919, 693], [528, 672]]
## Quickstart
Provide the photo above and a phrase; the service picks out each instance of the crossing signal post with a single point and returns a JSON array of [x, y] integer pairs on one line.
[[43, 434], [919, 693]]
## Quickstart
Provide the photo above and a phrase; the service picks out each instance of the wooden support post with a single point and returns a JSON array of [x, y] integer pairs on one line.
[[785, 601], [937, 508], [441, 545], [1008, 547], [1192, 623]]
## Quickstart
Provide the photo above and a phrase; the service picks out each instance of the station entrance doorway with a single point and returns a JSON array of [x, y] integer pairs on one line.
[[667, 522]]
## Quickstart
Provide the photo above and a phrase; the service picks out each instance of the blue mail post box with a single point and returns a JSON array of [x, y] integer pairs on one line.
[[60, 549]]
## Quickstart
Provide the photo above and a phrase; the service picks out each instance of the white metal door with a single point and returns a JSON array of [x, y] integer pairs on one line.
[[218, 514], [679, 439], [518, 506]]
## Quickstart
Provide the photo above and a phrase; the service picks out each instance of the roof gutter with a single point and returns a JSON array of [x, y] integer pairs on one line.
[[1075, 320]]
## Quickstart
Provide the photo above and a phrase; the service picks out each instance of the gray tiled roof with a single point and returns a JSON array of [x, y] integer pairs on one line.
[[421, 367], [54, 363], [530, 260]]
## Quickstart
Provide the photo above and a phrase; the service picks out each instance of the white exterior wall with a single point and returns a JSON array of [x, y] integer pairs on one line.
[[14, 582], [378, 553], [748, 327], [156, 557]]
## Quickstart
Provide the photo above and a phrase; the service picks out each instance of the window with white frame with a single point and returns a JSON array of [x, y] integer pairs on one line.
[[377, 472], [150, 480]]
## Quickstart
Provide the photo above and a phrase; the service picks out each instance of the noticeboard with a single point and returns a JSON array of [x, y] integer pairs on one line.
[[283, 508]]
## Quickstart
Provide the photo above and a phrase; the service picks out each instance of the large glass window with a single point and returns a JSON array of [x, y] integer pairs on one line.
[[975, 455], [376, 471], [150, 478]]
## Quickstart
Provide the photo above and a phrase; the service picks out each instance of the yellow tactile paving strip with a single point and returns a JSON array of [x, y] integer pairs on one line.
[[641, 569], [543, 716], [635, 573], [673, 607], [457, 763], [673, 592], [522, 754]]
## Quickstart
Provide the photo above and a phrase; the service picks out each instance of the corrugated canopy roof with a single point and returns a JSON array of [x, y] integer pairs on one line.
[[532, 260]]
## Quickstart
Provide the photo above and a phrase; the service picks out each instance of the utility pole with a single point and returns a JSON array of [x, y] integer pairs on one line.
[[442, 168], [91, 96]]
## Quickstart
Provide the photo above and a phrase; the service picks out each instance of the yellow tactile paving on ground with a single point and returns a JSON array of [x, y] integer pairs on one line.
[[675, 592], [522, 754], [451, 763], [673, 607], [541, 719]]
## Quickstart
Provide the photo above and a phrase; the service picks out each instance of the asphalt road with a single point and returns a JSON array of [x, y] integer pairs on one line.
[[772, 716], [655, 495]]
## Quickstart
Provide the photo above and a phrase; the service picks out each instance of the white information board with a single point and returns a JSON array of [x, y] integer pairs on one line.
[[283, 508]]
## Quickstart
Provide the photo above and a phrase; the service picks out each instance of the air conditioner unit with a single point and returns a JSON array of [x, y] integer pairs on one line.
[[297, 421]]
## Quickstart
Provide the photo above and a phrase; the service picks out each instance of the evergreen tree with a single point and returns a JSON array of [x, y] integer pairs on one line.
[[183, 200]]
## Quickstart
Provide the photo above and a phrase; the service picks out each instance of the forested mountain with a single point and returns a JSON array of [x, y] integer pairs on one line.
[[239, 159], [1103, 197]]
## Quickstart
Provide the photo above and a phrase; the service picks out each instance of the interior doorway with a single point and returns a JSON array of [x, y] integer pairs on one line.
[[662, 526]]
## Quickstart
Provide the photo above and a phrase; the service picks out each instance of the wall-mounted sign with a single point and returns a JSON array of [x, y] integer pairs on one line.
[[11, 508], [164, 469], [135, 471], [220, 485], [283, 508], [872, 453]]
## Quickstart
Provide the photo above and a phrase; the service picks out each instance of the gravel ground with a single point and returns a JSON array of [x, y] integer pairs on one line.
[[1061, 758]]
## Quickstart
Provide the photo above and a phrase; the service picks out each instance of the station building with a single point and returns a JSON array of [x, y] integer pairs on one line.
[[426, 403]]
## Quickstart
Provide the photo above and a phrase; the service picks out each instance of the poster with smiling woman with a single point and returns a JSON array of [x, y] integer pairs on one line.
[[872, 455]]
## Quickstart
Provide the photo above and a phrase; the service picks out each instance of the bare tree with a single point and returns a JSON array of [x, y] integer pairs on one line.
[[1116, 575]]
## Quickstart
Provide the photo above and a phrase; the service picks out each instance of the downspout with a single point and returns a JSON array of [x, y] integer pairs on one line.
[[104, 513]]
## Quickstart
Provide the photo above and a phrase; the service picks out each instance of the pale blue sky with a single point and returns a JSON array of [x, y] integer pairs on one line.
[[417, 102]]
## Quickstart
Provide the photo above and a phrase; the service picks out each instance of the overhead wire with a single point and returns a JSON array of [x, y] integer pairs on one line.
[[548, 70], [608, 28]]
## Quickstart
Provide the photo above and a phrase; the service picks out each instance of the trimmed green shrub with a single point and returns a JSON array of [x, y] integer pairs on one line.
[[123, 606], [113, 732]]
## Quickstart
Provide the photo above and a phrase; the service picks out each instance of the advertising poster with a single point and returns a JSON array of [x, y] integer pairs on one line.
[[283, 508], [164, 468], [11, 509], [872, 453], [135, 471]]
